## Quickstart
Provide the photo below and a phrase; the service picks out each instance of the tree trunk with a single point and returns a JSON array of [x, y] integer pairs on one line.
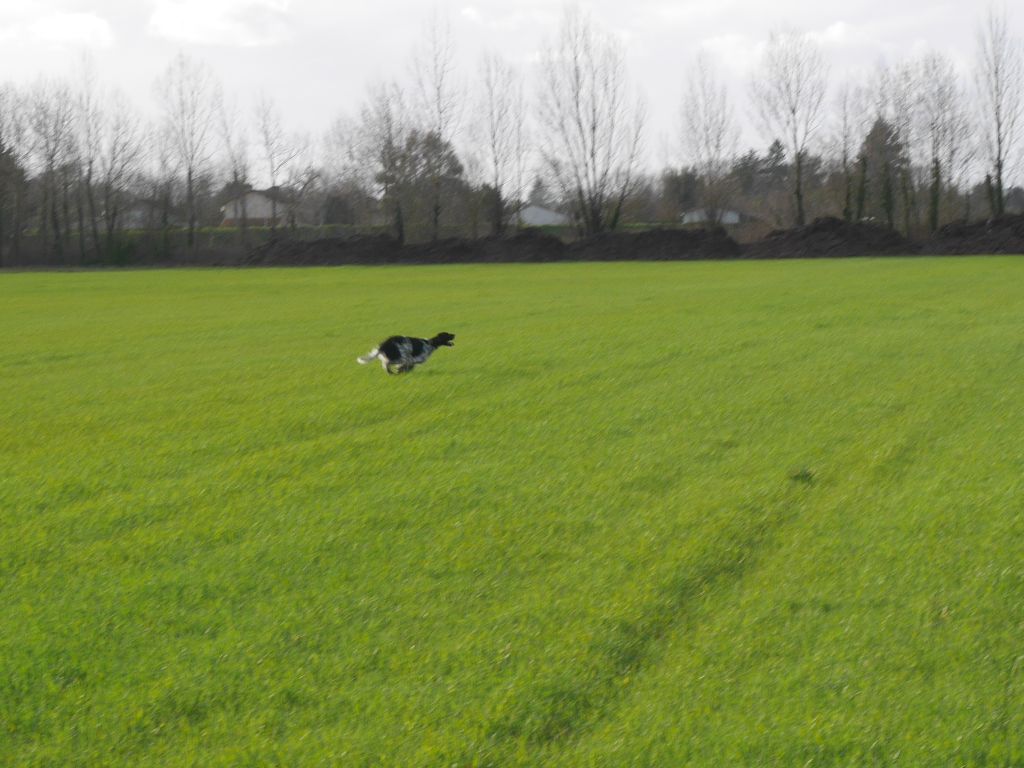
[[165, 223], [80, 212], [436, 212], [498, 214], [191, 205], [106, 246], [990, 192], [847, 189], [999, 196], [617, 211], [399, 224], [799, 191], [934, 196], [66, 205], [16, 225], [888, 198], [907, 193], [3, 197], [58, 240], [44, 213], [54, 214], [862, 187], [90, 194]]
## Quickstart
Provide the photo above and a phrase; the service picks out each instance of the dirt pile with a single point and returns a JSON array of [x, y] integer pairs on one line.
[[361, 249], [525, 246], [657, 245], [824, 238], [1002, 235], [830, 237], [383, 249]]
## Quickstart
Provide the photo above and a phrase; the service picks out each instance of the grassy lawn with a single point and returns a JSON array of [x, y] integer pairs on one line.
[[641, 514]]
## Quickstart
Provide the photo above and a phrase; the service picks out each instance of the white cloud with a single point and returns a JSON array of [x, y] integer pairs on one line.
[[841, 35], [54, 29], [500, 17], [472, 14], [737, 54], [246, 23]]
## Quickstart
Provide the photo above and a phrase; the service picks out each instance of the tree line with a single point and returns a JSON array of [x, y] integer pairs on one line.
[[912, 145]]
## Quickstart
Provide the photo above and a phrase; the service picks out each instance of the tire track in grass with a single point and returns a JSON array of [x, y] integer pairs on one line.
[[552, 712], [910, 439], [547, 715]]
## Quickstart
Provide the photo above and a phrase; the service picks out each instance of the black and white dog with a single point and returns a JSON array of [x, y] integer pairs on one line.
[[400, 354]]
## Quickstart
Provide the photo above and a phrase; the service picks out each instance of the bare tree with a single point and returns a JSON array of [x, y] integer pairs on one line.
[[8, 168], [14, 149], [120, 163], [166, 170], [438, 97], [591, 128], [999, 75], [710, 134], [383, 131], [187, 91], [852, 122], [944, 128], [90, 138], [899, 99], [503, 117], [347, 174], [789, 92], [279, 150], [235, 141], [302, 176], [52, 119], [341, 152]]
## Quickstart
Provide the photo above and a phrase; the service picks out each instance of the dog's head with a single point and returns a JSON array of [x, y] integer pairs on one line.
[[443, 340]]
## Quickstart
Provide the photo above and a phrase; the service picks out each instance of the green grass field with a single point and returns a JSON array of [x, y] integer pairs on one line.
[[641, 514]]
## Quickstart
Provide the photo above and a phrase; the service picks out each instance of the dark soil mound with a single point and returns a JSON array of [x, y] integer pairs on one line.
[[657, 245], [525, 246], [382, 249], [361, 249], [830, 237], [1002, 235], [824, 238]]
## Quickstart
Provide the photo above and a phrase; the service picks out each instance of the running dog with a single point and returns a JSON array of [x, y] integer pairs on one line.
[[400, 354]]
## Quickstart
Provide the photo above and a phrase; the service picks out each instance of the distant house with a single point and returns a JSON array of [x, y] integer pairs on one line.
[[701, 216], [537, 216], [259, 208]]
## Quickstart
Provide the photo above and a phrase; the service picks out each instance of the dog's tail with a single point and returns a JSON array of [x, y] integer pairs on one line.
[[369, 357]]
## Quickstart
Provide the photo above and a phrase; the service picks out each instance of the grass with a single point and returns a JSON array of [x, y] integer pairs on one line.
[[641, 514]]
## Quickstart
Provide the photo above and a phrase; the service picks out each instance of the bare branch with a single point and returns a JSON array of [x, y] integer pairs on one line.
[[592, 129], [999, 77], [789, 92], [710, 133], [188, 95]]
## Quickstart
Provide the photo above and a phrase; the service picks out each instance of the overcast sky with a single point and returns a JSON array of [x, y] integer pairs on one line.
[[315, 57]]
